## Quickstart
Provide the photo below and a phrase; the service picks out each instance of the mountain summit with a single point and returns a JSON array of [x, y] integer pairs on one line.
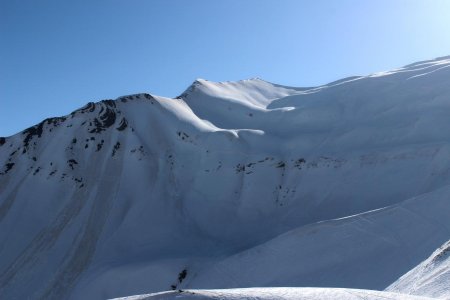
[[230, 185]]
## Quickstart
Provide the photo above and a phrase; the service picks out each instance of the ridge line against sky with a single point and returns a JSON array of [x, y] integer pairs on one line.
[[55, 56]]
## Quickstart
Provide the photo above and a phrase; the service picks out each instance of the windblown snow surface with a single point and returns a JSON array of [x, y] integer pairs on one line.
[[230, 185], [431, 277], [277, 293]]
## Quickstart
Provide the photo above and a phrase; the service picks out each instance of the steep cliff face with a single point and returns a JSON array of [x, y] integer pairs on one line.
[[145, 193]]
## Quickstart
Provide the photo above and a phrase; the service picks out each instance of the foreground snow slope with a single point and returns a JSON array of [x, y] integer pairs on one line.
[[430, 278], [368, 249], [233, 184], [277, 293]]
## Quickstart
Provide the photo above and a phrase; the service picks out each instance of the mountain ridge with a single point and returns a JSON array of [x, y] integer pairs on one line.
[[94, 203]]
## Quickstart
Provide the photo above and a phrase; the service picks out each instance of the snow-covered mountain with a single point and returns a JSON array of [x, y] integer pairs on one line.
[[431, 277], [230, 185]]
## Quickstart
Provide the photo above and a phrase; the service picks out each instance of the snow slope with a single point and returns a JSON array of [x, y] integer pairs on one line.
[[365, 250], [277, 293], [233, 184], [430, 278]]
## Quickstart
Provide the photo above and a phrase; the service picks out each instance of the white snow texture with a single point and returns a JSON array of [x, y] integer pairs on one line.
[[235, 185]]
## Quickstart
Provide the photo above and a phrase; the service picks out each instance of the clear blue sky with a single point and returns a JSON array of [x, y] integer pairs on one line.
[[57, 55]]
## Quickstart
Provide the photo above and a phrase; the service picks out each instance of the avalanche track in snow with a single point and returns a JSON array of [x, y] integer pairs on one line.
[[230, 185]]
